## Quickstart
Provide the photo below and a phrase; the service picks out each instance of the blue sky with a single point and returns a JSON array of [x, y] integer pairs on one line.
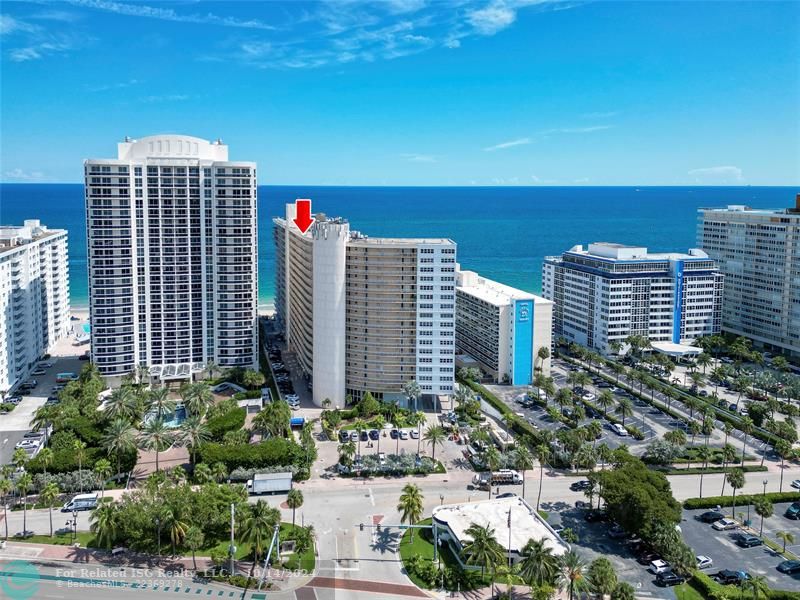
[[413, 92]]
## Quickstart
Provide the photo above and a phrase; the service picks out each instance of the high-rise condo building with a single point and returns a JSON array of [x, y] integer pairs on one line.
[[758, 250], [34, 297], [501, 328], [609, 291], [365, 314], [172, 245]]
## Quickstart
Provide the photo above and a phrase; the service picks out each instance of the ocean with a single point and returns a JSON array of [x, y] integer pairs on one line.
[[501, 232]]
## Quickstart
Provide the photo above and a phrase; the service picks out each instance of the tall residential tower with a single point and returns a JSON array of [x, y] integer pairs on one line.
[[758, 250], [365, 314], [172, 246], [34, 297]]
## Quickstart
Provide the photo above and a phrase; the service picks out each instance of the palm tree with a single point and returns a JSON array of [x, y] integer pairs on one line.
[[24, 484], [435, 436], [5, 489], [482, 548], [786, 536], [102, 469], [294, 500], [194, 433], [736, 480], [274, 419], [419, 419], [758, 585], [156, 437], [572, 573], [746, 426], [197, 398], [410, 505], [79, 447], [523, 461], [728, 457], [542, 455], [703, 453], [211, 368], [347, 451], [539, 566], [549, 388], [542, 354], [258, 527], [360, 425], [121, 404], [219, 471], [605, 401], [176, 526], [624, 409], [119, 439], [378, 422], [784, 450], [104, 524], [45, 459], [202, 474], [160, 403], [763, 507], [704, 360], [563, 398], [48, 495], [194, 540], [412, 391]]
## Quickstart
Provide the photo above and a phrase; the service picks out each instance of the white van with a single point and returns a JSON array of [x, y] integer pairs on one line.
[[81, 502]]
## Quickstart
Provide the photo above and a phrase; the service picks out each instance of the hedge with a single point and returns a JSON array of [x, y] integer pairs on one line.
[[232, 420], [274, 451], [519, 426], [741, 499], [65, 461], [708, 471], [709, 588]]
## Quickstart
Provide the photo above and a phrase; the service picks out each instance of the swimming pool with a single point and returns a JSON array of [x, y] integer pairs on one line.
[[172, 420], [87, 328]]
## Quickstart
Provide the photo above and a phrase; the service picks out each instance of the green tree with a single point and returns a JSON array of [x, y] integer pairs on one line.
[[523, 460], [24, 484], [412, 391], [5, 489], [45, 458], [410, 505], [347, 451], [194, 433], [252, 379], [202, 474], [763, 507], [104, 524], [118, 439], [48, 496], [121, 404], [542, 354], [736, 480], [602, 577], [160, 403], [624, 409], [787, 537], [176, 526], [197, 398], [758, 586], [539, 566], [294, 500], [482, 548], [542, 455], [435, 436], [102, 468], [79, 447], [784, 449], [274, 419], [361, 425], [156, 437], [605, 401], [623, 591], [572, 574], [746, 427], [703, 453], [194, 540], [368, 406]]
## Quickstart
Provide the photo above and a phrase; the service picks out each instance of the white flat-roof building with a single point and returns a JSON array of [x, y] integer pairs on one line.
[[365, 314], [513, 521], [758, 250], [502, 328], [34, 297], [172, 245], [609, 291]]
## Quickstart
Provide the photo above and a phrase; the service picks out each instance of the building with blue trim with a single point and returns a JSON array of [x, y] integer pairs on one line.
[[610, 291], [501, 328]]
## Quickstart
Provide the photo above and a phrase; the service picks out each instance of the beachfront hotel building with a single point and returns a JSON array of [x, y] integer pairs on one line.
[[172, 244], [34, 297], [365, 314], [501, 329], [608, 291], [758, 250]]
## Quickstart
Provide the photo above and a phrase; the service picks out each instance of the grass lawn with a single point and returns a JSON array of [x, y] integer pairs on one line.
[[306, 561], [685, 591], [85, 539]]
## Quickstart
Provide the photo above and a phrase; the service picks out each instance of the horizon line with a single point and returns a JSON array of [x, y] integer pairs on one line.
[[367, 185]]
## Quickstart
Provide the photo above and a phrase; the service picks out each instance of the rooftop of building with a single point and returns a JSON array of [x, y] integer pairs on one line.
[[492, 292], [526, 524], [15, 236], [170, 147], [611, 251], [744, 209]]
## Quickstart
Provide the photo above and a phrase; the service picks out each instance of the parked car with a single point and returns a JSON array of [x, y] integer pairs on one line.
[[580, 486], [790, 567], [403, 434], [669, 579], [364, 435], [343, 436], [619, 429], [582, 504], [394, 434], [793, 512], [704, 562], [748, 541], [84, 357], [725, 524], [710, 516], [382, 458], [374, 434], [38, 372], [13, 400], [506, 495], [732, 407], [354, 436], [728, 577], [414, 434], [588, 396], [796, 484], [646, 557], [594, 516], [659, 566]]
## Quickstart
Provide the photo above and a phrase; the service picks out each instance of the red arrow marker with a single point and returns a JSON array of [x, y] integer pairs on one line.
[[303, 219]]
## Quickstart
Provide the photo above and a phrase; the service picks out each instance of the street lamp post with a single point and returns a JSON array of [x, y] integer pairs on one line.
[[73, 525], [158, 535], [764, 482]]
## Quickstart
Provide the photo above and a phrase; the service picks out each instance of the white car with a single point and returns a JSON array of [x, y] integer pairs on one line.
[[619, 429], [403, 434], [382, 458], [796, 484], [659, 566], [588, 396], [704, 562], [414, 434], [725, 524]]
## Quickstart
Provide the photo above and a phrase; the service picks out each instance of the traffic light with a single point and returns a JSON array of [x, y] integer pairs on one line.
[[361, 526]]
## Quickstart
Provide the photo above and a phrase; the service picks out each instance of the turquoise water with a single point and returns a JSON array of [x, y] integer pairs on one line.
[[87, 328], [502, 232], [171, 420]]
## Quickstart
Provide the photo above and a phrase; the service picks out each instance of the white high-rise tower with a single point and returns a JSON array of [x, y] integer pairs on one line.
[[173, 253]]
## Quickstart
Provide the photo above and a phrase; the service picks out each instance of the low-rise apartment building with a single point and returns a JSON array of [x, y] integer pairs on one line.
[[607, 292]]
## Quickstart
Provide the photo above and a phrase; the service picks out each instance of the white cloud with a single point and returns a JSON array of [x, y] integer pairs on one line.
[[9, 24], [591, 129], [20, 175], [105, 87], [724, 174], [494, 17], [539, 181], [422, 158], [40, 50], [165, 98], [511, 144], [404, 6], [169, 14]]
